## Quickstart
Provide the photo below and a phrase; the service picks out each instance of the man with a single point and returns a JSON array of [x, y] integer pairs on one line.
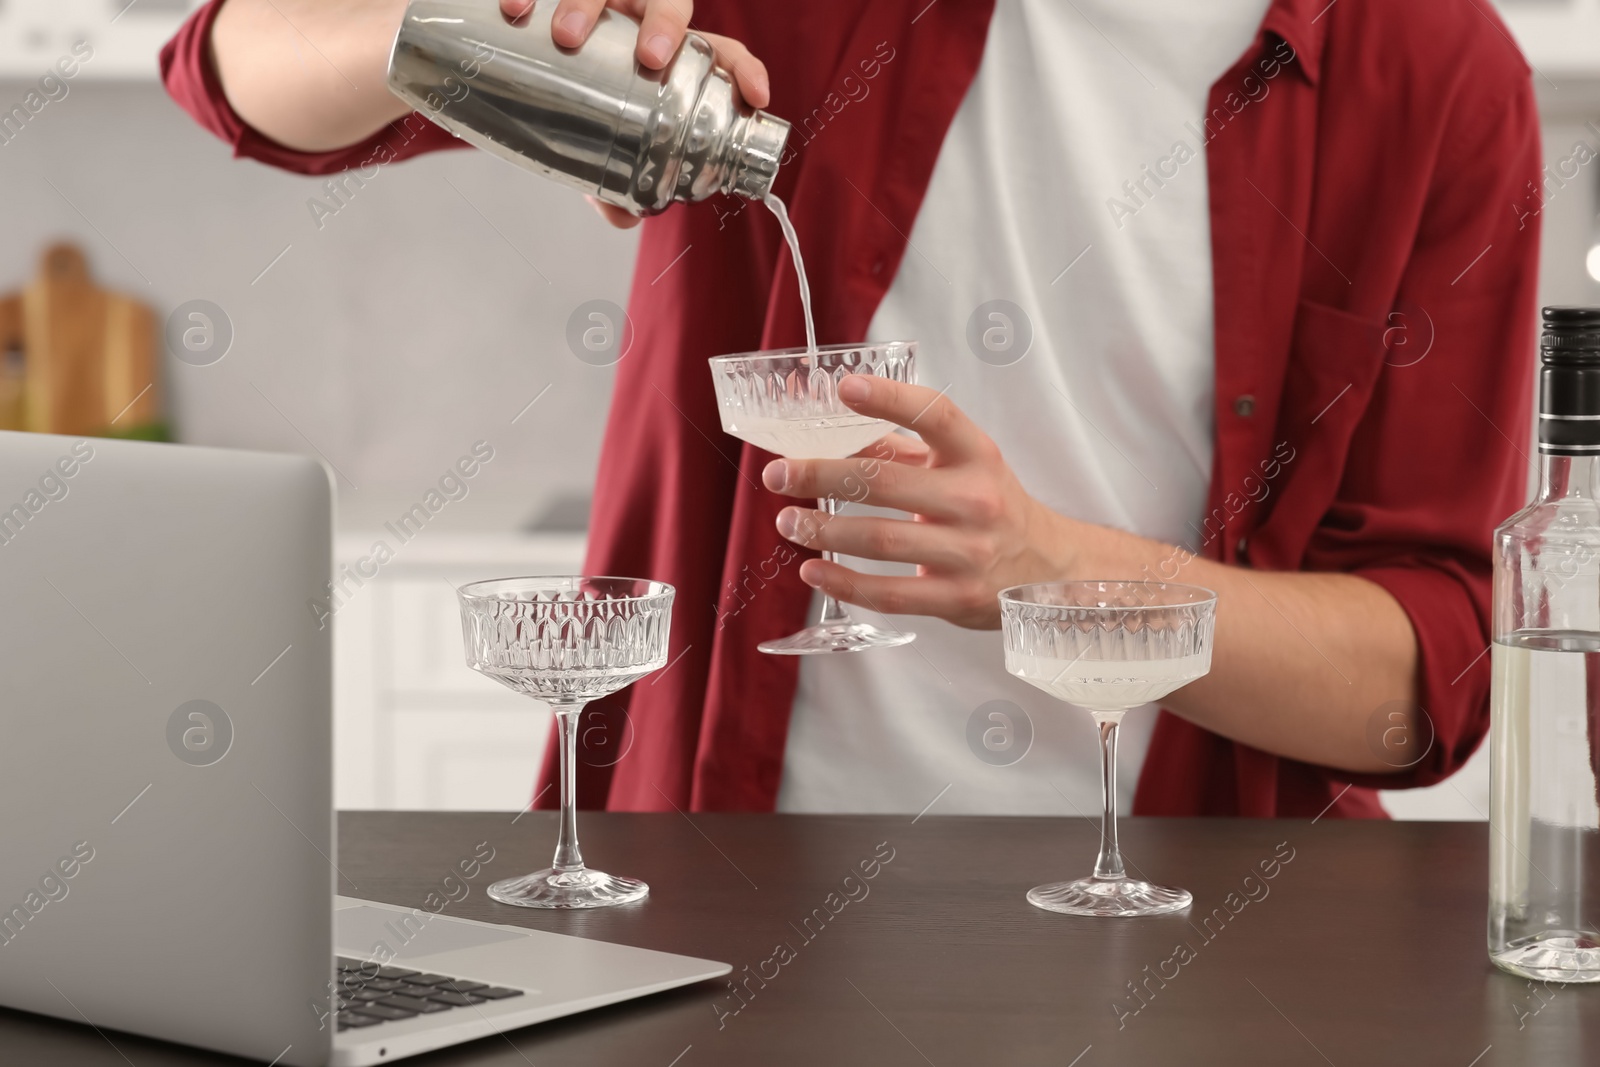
[[1233, 294]]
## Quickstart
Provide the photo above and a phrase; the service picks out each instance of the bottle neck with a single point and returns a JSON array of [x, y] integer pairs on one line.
[[1568, 478]]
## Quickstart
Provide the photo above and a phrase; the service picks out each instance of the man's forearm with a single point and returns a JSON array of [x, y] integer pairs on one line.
[[1302, 661], [310, 74]]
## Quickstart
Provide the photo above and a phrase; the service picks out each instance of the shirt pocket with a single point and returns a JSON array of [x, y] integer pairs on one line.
[[1335, 358]]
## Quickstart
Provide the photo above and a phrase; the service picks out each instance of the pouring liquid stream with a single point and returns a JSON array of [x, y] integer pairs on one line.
[[776, 206]]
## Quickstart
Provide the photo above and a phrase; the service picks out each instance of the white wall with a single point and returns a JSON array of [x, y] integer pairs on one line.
[[406, 328]]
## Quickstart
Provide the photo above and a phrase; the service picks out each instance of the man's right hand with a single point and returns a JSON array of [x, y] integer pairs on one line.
[[313, 75], [662, 24]]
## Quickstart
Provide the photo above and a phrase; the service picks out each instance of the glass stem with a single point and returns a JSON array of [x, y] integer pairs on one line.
[[568, 858], [833, 612], [1109, 864]]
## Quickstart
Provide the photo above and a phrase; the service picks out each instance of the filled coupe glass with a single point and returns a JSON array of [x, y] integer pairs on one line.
[[1108, 647], [566, 641], [786, 401]]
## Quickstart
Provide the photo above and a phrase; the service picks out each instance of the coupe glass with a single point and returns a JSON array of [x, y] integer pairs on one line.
[[1108, 647], [786, 401], [566, 641]]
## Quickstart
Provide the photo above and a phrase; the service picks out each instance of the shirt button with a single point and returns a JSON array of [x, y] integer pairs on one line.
[[877, 267], [1244, 547], [1244, 405]]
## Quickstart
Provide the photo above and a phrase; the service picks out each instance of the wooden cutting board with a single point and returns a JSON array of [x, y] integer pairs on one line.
[[77, 359], [12, 415]]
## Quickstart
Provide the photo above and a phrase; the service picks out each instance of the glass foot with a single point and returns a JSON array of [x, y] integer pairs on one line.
[[836, 637], [1563, 957], [568, 889], [1108, 896]]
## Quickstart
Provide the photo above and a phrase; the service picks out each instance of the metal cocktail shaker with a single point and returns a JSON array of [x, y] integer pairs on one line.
[[589, 117]]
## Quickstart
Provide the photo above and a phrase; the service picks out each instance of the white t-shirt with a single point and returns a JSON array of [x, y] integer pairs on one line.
[[1048, 194]]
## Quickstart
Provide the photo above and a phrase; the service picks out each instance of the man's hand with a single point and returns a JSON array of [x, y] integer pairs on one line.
[[313, 76], [974, 530], [1300, 659], [662, 24]]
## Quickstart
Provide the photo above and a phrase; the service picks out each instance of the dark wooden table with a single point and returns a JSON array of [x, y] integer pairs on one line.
[[1365, 947]]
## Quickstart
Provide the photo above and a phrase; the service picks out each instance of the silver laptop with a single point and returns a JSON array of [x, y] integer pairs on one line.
[[167, 852]]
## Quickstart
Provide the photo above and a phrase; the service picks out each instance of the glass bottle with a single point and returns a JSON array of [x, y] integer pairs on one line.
[[1544, 837]]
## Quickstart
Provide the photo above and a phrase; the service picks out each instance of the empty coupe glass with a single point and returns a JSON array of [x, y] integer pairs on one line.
[[786, 401], [1108, 647], [566, 641]]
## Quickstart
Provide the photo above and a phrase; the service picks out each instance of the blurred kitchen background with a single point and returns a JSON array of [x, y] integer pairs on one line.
[[429, 313]]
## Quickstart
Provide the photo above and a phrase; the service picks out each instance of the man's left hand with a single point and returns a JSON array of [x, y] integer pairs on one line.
[[973, 529]]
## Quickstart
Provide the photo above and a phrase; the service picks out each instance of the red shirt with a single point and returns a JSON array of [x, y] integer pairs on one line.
[[1374, 253]]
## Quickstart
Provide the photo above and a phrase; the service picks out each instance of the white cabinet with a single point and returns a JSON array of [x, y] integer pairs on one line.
[[122, 38], [414, 728], [1559, 37]]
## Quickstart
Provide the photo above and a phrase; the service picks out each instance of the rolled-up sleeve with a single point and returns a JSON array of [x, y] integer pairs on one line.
[[1442, 455], [191, 80]]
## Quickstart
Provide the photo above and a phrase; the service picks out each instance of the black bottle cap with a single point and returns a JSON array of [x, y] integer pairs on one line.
[[1569, 382], [1571, 335]]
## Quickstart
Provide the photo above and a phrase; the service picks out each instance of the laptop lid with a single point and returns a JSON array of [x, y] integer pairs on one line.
[[166, 856]]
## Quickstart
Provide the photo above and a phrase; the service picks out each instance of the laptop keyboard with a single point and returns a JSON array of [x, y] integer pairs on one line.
[[367, 994]]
